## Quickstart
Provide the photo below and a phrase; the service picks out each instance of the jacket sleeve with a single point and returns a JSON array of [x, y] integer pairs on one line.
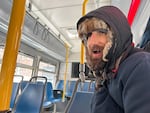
[[136, 92]]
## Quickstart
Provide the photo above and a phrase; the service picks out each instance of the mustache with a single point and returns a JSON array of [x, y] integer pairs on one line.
[[97, 47]]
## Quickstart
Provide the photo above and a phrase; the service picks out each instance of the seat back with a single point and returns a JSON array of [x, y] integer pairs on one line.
[[31, 98], [84, 86], [60, 84], [15, 91], [70, 88], [92, 86], [49, 91], [81, 103], [23, 85]]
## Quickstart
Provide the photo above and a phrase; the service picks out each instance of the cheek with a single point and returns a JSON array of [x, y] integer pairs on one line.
[[87, 51], [87, 54]]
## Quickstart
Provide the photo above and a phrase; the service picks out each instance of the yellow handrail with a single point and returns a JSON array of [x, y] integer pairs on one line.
[[10, 53], [82, 46], [65, 75]]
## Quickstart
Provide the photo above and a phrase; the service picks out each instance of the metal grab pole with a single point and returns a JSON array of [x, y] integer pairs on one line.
[[10, 53], [133, 9], [65, 75], [82, 65], [82, 46]]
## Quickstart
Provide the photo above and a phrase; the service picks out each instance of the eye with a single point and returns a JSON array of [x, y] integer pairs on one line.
[[88, 35], [84, 39]]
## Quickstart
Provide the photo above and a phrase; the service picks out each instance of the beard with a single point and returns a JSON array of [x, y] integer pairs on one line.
[[94, 64]]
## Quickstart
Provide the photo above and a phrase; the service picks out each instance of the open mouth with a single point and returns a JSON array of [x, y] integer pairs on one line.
[[97, 53]]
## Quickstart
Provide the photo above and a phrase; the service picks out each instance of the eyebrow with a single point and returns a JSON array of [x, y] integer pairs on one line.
[[102, 30]]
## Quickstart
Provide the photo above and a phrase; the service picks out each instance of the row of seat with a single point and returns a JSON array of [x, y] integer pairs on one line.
[[70, 85], [30, 92], [81, 95], [80, 103], [32, 95], [24, 87], [80, 100]]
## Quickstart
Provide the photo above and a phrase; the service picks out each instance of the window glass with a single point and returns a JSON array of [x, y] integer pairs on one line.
[[24, 65], [50, 76], [24, 59], [47, 67], [17, 78], [23, 71], [1, 53], [47, 70]]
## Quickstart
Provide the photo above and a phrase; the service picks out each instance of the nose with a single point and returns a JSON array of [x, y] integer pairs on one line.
[[93, 39], [97, 39]]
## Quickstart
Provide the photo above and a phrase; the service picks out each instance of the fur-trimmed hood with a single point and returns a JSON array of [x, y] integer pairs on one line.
[[122, 36]]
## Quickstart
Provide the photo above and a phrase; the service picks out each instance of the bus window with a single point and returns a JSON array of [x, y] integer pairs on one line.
[[24, 66], [47, 70]]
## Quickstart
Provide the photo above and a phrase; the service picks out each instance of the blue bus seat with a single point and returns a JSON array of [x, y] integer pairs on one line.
[[58, 91], [15, 91], [60, 85], [49, 99], [84, 86], [92, 86], [23, 84], [87, 86], [81, 103], [70, 88], [31, 98]]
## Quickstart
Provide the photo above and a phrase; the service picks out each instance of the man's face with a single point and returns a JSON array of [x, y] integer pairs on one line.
[[94, 49]]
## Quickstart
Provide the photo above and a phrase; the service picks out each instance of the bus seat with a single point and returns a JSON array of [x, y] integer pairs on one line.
[[60, 84], [15, 91], [80, 103], [31, 98], [70, 88], [49, 91], [86, 86], [49, 97], [92, 86], [23, 84]]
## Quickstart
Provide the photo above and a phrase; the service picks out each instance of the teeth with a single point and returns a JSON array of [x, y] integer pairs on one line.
[[96, 51]]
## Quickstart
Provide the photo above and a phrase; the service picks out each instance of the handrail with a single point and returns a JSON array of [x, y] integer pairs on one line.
[[133, 9], [82, 65], [10, 53], [65, 75], [82, 46]]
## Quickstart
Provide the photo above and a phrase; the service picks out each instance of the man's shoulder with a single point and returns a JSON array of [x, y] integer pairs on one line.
[[138, 57], [136, 61]]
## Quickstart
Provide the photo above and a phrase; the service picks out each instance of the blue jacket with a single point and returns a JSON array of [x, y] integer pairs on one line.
[[129, 91]]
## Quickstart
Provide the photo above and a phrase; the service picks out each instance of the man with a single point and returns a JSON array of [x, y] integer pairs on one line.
[[122, 72]]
